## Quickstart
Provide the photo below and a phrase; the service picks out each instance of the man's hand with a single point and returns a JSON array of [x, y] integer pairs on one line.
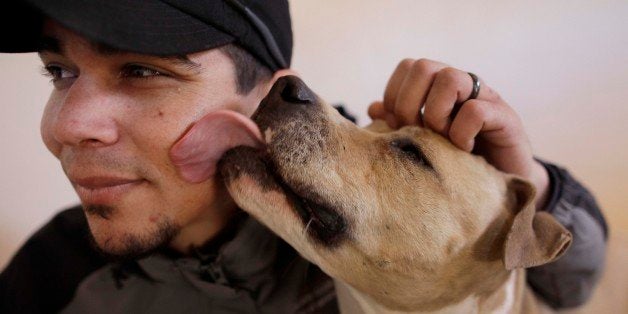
[[434, 95]]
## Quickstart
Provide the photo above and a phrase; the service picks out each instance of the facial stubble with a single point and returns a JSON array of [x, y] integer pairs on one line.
[[133, 246]]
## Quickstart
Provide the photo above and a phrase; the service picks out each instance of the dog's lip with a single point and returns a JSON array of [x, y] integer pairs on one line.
[[321, 221]]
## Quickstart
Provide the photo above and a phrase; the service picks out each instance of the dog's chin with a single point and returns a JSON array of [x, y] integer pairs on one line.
[[322, 223]]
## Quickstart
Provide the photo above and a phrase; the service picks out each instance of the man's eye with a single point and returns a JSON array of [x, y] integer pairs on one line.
[[138, 71], [57, 73]]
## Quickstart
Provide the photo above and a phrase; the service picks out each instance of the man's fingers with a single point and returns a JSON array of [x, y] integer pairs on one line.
[[451, 86], [475, 116], [407, 90], [376, 110], [392, 121], [394, 83], [414, 89], [426, 85]]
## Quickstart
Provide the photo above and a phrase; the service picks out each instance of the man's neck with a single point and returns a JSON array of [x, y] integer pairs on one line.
[[203, 229], [506, 299]]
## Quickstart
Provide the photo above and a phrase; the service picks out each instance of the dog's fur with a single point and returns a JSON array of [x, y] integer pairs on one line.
[[401, 219]]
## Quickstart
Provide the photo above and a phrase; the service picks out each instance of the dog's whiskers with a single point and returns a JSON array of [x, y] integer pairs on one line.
[[307, 225]]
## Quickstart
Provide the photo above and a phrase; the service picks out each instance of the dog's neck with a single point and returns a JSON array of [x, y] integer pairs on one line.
[[508, 298]]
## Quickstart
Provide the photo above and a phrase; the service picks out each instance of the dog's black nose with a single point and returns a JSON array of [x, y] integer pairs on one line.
[[295, 91]]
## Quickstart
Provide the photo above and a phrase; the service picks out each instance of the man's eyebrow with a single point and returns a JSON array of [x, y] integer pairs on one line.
[[181, 60], [49, 44], [53, 45], [184, 61]]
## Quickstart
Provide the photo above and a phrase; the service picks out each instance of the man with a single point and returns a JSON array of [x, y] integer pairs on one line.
[[131, 77]]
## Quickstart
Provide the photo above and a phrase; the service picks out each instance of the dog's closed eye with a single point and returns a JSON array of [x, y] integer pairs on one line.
[[410, 150]]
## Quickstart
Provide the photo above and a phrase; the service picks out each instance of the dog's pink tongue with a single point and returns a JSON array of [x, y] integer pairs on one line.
[[195, 155]]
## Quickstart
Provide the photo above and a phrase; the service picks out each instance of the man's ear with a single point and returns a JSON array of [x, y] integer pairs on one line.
[[535, 238]]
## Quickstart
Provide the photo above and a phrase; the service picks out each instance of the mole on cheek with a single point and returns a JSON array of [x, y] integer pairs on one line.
[[152, 218]]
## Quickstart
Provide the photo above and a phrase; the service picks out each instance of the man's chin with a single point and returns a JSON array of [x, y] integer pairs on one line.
[[122, 245]]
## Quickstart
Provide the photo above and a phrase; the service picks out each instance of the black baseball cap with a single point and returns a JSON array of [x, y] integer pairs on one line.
[[157, 27]]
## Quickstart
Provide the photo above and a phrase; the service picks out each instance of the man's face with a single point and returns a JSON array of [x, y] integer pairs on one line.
[[112, 119]]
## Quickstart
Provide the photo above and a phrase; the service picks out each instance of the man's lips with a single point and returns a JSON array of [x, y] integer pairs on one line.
[[103, 190]]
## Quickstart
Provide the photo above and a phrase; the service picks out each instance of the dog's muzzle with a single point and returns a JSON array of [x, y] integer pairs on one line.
[[294, 114]]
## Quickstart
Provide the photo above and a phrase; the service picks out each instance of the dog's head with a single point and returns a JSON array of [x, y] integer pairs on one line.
[[403, 216]]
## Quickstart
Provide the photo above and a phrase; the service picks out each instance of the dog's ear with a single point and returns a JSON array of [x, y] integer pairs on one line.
[[535, 238]]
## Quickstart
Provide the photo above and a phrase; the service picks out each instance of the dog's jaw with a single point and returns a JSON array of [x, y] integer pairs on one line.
[[253, 187], [253, 180]]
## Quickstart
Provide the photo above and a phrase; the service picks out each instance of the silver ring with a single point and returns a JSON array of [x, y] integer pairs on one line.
[[476, 86]]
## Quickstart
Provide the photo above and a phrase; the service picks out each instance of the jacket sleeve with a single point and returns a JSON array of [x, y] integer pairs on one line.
[[570, 280], [44, 273]]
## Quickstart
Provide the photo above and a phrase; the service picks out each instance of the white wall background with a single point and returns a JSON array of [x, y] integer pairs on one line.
[[563, 65]]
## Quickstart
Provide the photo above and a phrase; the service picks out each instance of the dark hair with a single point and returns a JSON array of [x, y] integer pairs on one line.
[[248, 71]]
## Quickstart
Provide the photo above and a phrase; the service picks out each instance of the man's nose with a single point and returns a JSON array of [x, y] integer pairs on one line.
[[85, 116]]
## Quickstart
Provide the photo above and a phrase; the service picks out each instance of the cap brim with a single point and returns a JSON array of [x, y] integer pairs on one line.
[[136, 26]]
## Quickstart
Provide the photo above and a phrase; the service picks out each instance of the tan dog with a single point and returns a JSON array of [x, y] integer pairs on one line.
[[402, 220]]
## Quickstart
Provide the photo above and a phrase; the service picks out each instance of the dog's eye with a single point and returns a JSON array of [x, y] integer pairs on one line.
[[411, 151]]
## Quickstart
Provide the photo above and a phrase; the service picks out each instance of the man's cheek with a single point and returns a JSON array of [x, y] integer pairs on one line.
[[187, 203], [47, 129]]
